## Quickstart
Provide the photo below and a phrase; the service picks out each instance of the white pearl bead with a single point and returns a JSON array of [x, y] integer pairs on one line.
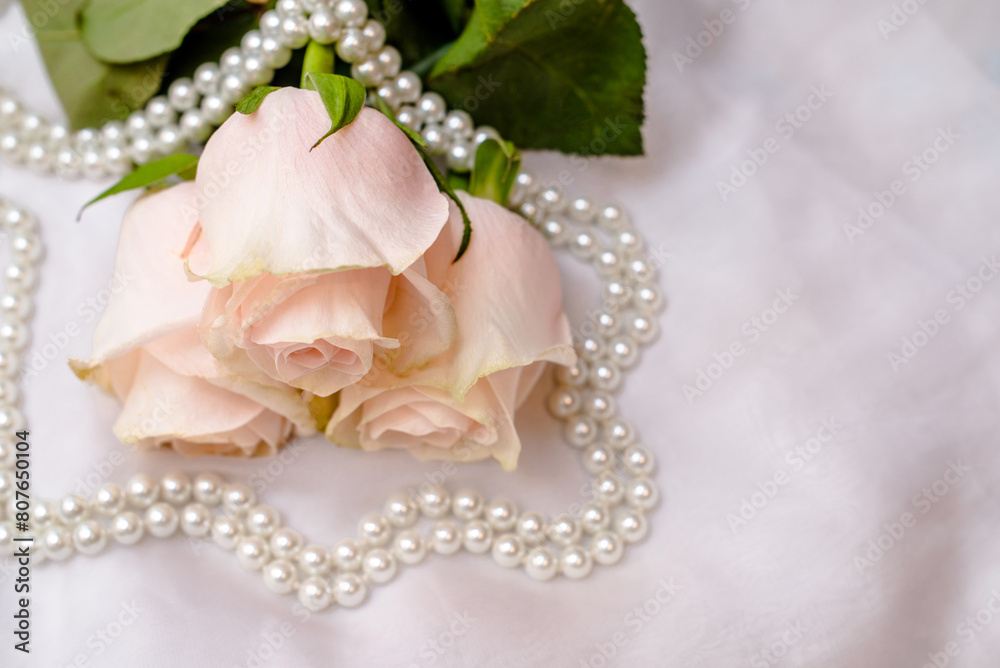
[[400, 511], [575, 562], [608, 488], [435, 502], [619, 433], [206, 78], [631, 525], [477, 537], [314, 594], [605, 375], [410, 547], [262, 520], [581, 210], [286, 543], [252, 553], [551, 199], [280, 576], [9, 392], [484, 132], [628, 241], [597, 458], [459, 124], [407, 116], [196, 520], [256, 71], [606, 548], [432, 107], [648, 299], [273, 53], [564, 402], [72, 508], [590, 348], [109, 499], [142, 490], [314, 559], [352, 45], [20, 278], [467, 505], [608, 263], [389, 95], [142, 149], [642, 493], [208, 489], [460, 157], [176, 488], [127, 528], [351, 13], [349, 590], [231, 62], [638, 460], [623, 352], [238, 498], [612, 218], [270, 23], [583, 245], [10, 363], [89, 537], [367, 72], [251, 42], [226, 532], [508, 550], [288, 8], [374, 530], [434, 135], [643, 329], [531, 527], [374, 35], [564, 530], [580, 431], [58, 543], [159, 112], [541, 564], [161, 520], [555, 231], [379, 565], [324, 27], [600, 405], [293, 32], [232, 88], [194, 126], [574, 376], [446, 537], [390, 61], [594, 517], [43, 513], [501, 514], [182, 94], [347, 555]]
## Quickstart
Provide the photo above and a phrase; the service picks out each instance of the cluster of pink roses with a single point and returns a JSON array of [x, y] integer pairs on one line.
[[288, 291]]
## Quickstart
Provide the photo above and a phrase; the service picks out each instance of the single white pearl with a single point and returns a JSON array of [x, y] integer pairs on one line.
[[194, 125], [575, 562], [432, 107], [628, 241], [142, 490], [58, 543], [619, 433], [182, 94], [597, 458], [564, 402], [176, 488], [43, 513], [367, 72], [9, 392], [280, 576], [460, 156], [531, 527], [374, 530], [256, 71], [574, 376], [583, 245], [14, 337], [638, 460], [349, 590], [286, 543], [467, 505], [446, 537], [72, 508], [581, 210], [12, 148], [606, 548], [109, 499], [605, 375], [238, 498], [379, 565], [231, 62], [390, 61], [20, 278], [459, 124], [347, 555], [508, 550], [564, 530], [530, 211], [501, 514], [623, 352], [608, 488], [38, 158], [324, 27], [314, 559], [551, 198], [89, 537], [251, 42], [293, 31], [408, 116], [525, 185], [608, 263], [196, 520], [555, 231], [580, 431], [389, 95], [215, 109], [207, 489], [594, 517], [600, 405], [352, 45], [477, 537], [631, 525], [206, 78], [270, 23], [262, 520], [410, 547], [351, 13], [435, 502], [159, 112], [273, 53], [401, 511], [590, 348], [232, 88], [142, 149], [288, 8], [252, 553], [642, 493], [314, 594], [541, 564], [226, 532], [612, 218], [484, 132], [643, 329], [648, 299], [161, 519], [127, 528]]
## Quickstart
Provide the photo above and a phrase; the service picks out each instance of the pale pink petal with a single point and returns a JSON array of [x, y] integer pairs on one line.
[[269, 204]]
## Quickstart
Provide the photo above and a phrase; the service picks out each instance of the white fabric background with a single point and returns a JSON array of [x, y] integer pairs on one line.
[[788, 580]]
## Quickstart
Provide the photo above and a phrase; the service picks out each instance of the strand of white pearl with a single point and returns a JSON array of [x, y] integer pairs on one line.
[[193, 106], [229, 513]]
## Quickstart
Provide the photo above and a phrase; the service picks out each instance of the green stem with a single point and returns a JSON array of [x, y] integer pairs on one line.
[[319, 58]]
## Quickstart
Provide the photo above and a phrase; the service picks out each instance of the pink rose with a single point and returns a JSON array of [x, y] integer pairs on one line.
[[316, 253], [148, 353], [508, 303]]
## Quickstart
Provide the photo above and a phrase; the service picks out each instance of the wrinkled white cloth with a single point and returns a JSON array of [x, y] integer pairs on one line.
[[829, 475]]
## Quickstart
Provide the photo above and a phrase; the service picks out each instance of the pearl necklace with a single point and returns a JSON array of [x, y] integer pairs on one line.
[[228, 513]]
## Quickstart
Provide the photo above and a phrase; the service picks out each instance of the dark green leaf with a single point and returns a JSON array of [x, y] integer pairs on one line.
[[210, 37], [319, 59], [149, 174], [446, 188], [496, 165], [92, 92], [414, 136], [343, 98], [125, 31], [254, 98], [551, 74]]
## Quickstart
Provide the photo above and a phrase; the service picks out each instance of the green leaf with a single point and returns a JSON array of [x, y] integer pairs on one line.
[[415, 27], [414, 136], [149, 174], [124, 31], [494, 171], [458, 181], [92, 92], [319, 59], [210, 37], [551, 74], [445, 187], [254, 98], [343, 98]]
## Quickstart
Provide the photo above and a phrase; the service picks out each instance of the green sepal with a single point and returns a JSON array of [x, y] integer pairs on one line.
[[495, 168], [252, 101], [343, 98]]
